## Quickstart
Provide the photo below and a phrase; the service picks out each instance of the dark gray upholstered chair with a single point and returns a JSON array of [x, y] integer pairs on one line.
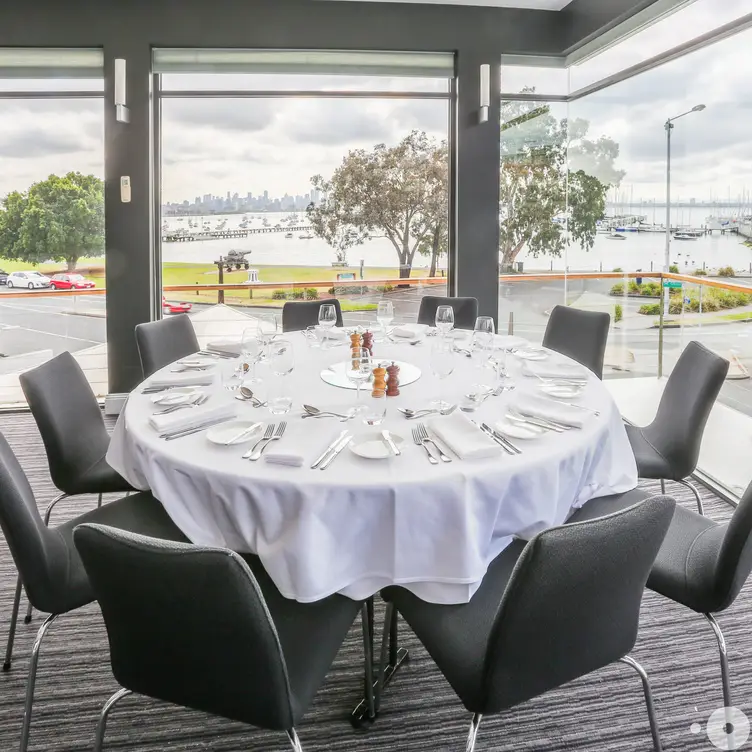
[[73, 431], [237, 648], [558, 608], [580, 335], [48, 566], [297, 316], [669, 447], [164, 341], [465, 310], [701, 565]]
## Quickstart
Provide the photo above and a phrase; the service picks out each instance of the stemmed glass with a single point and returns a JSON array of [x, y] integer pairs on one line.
[[327, 319], [484, 325], [444, 319], [359, 371], [442, 364], [385, 315], [281, 361], [267, 327], [250, 349]]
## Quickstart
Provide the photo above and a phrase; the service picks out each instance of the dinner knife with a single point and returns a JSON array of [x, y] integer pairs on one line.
[[329, 449], [195, 429], [328, 461], [495, 434], [390, 442], [486, 430], [553, 423]]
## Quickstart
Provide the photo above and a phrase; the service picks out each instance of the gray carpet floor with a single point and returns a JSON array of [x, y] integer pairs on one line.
[[601, 713]]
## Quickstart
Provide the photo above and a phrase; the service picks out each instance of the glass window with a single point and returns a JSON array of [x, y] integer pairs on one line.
[[534, 79]]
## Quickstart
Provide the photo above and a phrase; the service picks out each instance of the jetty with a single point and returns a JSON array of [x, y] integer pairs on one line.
[[189, 237]]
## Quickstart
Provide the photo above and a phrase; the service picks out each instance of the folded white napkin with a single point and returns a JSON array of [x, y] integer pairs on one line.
[[464, 438], [283, 458], [188, 378], [192, 417], [291, 449], [509, 341], [410, 331], [540, 407], [229, 346], [554, 370]]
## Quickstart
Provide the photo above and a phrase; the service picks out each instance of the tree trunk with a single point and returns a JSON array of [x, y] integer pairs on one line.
[[510, 254], [71, 264], [435, 251]]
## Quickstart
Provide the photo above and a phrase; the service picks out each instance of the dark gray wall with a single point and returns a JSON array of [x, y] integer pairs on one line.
[[130, 29]]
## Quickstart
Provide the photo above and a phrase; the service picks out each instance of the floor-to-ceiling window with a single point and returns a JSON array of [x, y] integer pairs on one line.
[[303, 175], [51, 213]]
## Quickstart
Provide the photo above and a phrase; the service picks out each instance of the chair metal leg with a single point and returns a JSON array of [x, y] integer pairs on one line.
[[102, 722], [368, 656], [474, 726], [13, 622], [724, 660], [293, 737], [629, 661], [692, 488], [31, 681]]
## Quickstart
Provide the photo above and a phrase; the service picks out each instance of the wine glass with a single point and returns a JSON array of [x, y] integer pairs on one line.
[[385, 314], [327, 320], [485, 325], [267, 327], [250, 349], [481, 353], [281, 362], [444, 319], [442, 364], [359, 370]]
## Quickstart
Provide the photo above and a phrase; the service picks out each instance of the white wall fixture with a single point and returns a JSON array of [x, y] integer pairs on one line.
[[121, 111], [485, 92]]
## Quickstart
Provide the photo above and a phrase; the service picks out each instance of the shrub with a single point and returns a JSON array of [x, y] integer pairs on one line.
[[348, 290], [725, 299], [650, 309], [709, 304], [674, 269], [700, 273], [297, 294], [311, 293], [694, 305], [675, 307], [741, 298], [634, 288], [618, 269], [726, 271], [279, 295], [651, 289], [617, 289], [331, 291], [384, 288], [617, 313]]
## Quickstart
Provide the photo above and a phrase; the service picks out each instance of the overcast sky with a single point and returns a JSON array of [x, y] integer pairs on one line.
[[212, 146]]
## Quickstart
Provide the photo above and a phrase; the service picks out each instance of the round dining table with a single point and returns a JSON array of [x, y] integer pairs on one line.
[[362, 524]]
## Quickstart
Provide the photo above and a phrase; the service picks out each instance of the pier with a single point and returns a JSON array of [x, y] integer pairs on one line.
[[183, 237]]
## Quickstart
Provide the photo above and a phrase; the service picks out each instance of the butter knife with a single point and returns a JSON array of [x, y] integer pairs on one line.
[[328, 450], [242, 433], [392, 445], [328, 461]]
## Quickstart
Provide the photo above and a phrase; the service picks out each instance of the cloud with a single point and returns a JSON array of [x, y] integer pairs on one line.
[[39, 142], [243, 115]]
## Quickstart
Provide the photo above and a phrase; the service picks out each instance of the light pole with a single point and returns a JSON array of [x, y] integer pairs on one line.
[[669, 126]]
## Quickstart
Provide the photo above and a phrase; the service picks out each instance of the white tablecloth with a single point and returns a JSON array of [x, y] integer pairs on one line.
[[364, 524]]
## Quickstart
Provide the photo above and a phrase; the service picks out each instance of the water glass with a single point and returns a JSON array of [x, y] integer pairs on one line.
[[312, 336], [281, 362], [232, 379], [359, 371], [443, 359], [485, 325], [267, 327], [374, 409], [250, 349], [327, 320], [385, 315], [444, 319]]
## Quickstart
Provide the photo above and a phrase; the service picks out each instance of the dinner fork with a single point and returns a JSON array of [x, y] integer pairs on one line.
[[277, 436], [267, 435], [423, 433], [419, 442]]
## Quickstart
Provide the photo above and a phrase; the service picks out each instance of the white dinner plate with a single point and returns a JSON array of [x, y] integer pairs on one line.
[[372, 445], [518, 431], [531, 353], [226, 432], [199, 361], [567, 391], [179, 395]]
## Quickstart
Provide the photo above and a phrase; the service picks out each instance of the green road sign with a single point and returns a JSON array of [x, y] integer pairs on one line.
[[671, 283]]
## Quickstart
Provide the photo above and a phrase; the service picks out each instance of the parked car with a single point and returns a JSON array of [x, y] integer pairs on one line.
[[70, 282], [175, 307], [3, 277], [31, 280]]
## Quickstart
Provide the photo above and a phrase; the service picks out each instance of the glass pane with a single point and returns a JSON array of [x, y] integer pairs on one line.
[[535, 80], [303, 199], [51, 233]]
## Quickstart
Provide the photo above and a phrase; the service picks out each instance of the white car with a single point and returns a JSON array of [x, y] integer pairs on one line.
[[32, 280]]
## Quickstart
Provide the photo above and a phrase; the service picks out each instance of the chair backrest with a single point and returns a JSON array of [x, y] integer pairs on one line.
[[297, 316], [187, 625], [685, 405], [68, 417], [163, 342], [40, 554], [465, 310], [572, 604], [580, 335]]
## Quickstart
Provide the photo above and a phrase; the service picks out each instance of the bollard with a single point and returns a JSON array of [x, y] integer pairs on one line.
[[510, 325]]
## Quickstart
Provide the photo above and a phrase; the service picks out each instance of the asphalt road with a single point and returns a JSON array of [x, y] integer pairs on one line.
[[45, 323]]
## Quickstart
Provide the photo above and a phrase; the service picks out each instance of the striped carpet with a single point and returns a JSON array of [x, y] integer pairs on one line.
[[602, 713]]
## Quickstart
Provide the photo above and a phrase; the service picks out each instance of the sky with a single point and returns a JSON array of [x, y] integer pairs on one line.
[[242, 145]]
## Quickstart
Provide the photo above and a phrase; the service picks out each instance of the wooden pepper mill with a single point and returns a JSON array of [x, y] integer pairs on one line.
[[368, 342], [355, 346], [392, 387], [379, 381]]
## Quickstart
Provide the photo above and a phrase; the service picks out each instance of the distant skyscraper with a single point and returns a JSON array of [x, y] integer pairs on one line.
[[266, 195]]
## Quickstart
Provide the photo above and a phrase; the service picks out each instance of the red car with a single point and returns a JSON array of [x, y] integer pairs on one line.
[[70, 282], [175, 307]]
